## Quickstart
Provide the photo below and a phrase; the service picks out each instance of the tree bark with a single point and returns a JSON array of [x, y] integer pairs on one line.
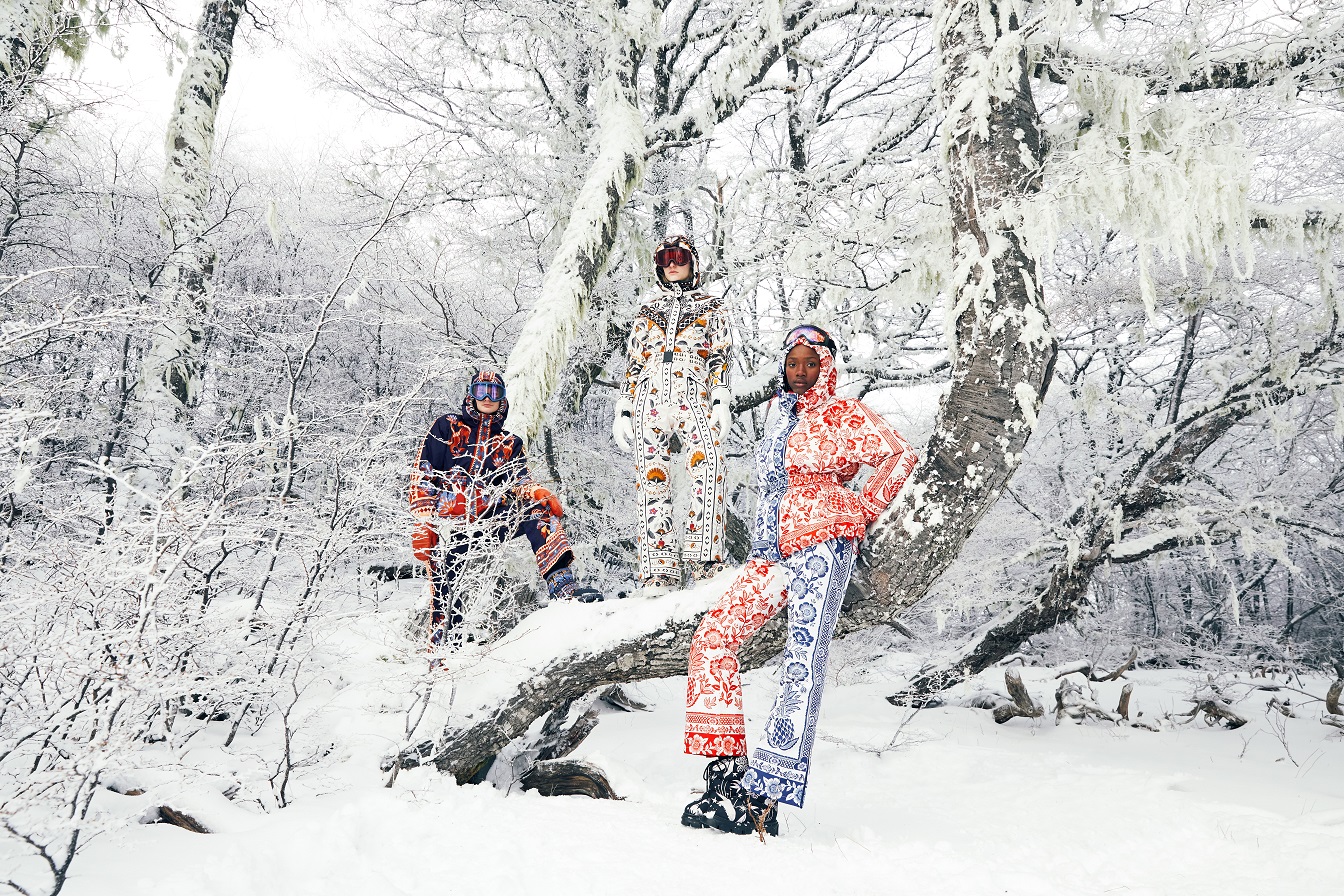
[[173, 366], [1146, 488], [1004, 352]]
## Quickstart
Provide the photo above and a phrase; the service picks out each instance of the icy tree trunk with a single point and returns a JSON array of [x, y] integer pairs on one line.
[[29, 30], [543, 346], [173, 365], [1003, 360], [1004, 353]]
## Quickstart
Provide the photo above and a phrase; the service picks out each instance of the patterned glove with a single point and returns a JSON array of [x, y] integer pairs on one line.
[[543, 495], [423, 541]]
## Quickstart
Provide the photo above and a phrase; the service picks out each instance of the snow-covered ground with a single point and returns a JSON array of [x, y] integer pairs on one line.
[[939, 802]]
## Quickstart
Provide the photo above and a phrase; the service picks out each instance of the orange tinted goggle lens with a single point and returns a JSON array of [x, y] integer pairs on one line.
[[669, 255]]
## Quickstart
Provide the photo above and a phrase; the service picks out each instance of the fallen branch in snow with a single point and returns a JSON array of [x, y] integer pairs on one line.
[[1336, 691], [1088, 668], [1021, 705], [1215, 707], [1283, 707], [1073, 701], [1334, 714], [568, 777], [1122, 708], [169, 815]]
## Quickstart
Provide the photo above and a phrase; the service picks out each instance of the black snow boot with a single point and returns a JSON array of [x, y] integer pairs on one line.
[[561, 585], [712, 809], [587, 594]]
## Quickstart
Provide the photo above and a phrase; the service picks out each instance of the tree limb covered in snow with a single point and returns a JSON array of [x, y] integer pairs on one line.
[[585, 244], [1146, 488], [1311, 60], [173, 364]]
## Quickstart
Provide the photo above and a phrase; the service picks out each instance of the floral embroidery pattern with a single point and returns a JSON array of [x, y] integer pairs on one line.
[[813, 446], [816, 578]]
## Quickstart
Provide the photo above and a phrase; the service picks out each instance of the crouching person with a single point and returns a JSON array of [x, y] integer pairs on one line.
[[470, 483]]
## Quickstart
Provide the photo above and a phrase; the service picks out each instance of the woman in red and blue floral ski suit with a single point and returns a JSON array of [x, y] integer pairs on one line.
[[469, 474], [804, 544]]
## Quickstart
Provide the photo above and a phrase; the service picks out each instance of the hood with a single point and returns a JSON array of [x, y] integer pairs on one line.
[[696, 278], [822, 391], [485, 375]]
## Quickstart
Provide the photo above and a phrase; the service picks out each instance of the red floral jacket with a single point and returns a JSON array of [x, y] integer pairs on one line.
[[813, 447]]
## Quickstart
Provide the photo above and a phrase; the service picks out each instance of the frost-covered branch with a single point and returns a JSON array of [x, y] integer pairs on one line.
[[1311, 60]]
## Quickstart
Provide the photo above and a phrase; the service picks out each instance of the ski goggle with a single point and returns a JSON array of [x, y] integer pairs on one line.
[[670, 255], [487, 391], [812, 335]]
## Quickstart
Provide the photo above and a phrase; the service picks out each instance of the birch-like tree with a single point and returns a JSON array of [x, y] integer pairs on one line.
[[173, 367]]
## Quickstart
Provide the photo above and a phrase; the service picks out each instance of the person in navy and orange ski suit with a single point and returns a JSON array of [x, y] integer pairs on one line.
[[804, 544], [470, 470]]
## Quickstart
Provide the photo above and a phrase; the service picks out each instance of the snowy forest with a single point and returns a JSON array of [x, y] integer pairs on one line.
[[1083, 254]]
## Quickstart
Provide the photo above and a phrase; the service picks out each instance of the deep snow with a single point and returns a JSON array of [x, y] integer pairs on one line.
[[950, 803]]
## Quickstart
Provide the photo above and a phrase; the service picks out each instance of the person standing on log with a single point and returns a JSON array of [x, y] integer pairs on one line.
[[677, 383], [471, 481], [804, 543]]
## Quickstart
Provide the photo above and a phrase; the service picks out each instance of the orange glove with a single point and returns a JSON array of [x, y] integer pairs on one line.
[[543, 495], [423, 541]]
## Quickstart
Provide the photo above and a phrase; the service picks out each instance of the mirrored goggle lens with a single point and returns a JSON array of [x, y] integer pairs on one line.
[[487, 391], [814, 335], [672, 255]]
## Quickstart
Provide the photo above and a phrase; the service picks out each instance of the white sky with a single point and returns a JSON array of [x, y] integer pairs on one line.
[[272, 104]]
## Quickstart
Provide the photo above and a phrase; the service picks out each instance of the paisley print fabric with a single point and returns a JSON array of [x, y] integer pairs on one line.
[[812, 582], [814, 445]]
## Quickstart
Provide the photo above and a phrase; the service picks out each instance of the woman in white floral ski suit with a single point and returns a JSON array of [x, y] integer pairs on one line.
[[677, 383], [805, 540]]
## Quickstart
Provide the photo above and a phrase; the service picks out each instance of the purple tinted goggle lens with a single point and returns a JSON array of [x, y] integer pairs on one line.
[[487, 391]]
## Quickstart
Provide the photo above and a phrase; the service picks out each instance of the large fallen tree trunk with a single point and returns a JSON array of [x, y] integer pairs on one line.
[[1001, 368]]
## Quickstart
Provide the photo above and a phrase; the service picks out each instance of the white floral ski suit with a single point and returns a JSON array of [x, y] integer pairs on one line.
[[678, 355]]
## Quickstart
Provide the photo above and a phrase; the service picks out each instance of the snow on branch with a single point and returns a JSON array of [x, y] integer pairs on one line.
[[1311, 60]]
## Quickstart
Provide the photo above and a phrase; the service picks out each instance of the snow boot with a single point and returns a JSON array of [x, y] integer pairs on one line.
[[699, 572], [561, 585], [763, 816], [712, 809], [586, 594], [659, 584], [751, 813]]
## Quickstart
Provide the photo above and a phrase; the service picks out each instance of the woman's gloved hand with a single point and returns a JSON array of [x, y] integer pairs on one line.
[[543, 495], [721, 412], [623, 426]]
